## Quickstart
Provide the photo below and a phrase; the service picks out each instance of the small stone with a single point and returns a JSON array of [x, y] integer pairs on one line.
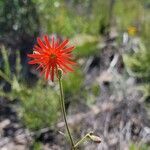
[[4, 123]]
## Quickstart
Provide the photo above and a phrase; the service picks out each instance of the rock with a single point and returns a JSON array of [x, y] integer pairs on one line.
[[4, 123]]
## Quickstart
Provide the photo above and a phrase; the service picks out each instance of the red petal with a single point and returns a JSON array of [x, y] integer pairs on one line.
[[33, 62], [36, 55], [57, 43], [41, 44], [38, 61], [52, 73], [67, 61], [47, 41], [40, 66], [69, 55], [70, 62], [62, 45], [65, 66], [37, 48], [44, 68], [47, 73], [69, 49]]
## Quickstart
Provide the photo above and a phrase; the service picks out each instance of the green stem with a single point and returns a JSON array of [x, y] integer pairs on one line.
[[64, 112], [82, 140], [5, 77]]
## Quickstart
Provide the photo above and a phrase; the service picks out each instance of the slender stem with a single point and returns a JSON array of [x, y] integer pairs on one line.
[[64, 112], [82, 140], [5, 77]]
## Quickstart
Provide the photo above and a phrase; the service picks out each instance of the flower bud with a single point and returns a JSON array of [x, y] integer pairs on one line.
[[94, 138], [59, 73]]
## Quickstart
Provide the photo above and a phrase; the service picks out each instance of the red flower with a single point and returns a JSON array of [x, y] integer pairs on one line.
[[52, 55]]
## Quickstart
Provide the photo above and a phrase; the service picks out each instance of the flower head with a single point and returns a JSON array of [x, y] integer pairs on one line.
[[51, 55]]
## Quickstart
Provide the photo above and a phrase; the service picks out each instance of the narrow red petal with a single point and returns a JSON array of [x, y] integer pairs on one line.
[[67, 61], [69, 55], [47, 73], [41, 44], [38, 61], [34, 62], [47, 41], [62, 45], [65, 66], [57, 43], [52, 73], [69, 49], [66, 56], [37, 48], [36, 55], [70, 62], [42, 72], [40, 66]]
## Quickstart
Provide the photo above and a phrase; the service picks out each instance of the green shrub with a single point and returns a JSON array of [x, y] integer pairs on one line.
[[137, 65], [67, 19], [127, 13], [72, 84], [18, 21], [39, 108]]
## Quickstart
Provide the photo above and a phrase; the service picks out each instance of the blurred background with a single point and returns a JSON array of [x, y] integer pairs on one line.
[[109, 92]]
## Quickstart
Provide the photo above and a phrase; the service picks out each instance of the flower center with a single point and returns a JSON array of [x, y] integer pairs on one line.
[[52, 56]]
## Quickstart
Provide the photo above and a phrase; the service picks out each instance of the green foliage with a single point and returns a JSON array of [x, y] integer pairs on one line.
[[39, 106], [53, 17], [102, 11], [67, 18], [86, 50], [145, 26], [139, 63], [6, 61], [127, 13], [37, 146], [90, 93], [18, 18], [5, 73], [95, 89], [139, 147], [136, 14], [72, 84], [86, 45], [145, 89]]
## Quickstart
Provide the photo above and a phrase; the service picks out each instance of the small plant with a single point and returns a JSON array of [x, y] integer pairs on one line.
[[137, 65], [53, 59], [40, 108]]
